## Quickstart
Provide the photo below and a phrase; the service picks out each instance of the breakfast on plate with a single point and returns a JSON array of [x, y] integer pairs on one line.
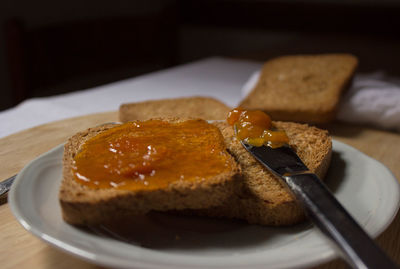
[[166, 156], [119, 170]]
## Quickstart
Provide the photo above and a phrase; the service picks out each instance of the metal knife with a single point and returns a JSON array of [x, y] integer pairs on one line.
[[321, 206], [5, 187]]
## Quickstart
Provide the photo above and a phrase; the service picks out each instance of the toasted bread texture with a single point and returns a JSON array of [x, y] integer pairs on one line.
[[82, 205], [261, 198], [302, 88], [190, 107]]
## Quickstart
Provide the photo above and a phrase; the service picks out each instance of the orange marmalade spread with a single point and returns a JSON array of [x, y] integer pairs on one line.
[[255, 128], [151, 154]]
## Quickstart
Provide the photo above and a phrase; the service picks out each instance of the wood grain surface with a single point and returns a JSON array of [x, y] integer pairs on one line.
[[20, 249]]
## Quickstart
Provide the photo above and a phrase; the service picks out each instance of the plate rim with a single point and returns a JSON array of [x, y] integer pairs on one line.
[[92, 257]]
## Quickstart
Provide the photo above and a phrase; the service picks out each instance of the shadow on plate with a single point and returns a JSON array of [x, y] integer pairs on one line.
[[336, 172], [158, 230]]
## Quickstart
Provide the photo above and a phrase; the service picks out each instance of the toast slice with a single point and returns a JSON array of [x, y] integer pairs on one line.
[[261, 198], [194, 107], [83, 205], [302, 88]]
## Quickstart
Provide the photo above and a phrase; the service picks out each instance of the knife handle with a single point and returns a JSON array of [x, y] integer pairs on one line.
[[333, 220], [5, 186]]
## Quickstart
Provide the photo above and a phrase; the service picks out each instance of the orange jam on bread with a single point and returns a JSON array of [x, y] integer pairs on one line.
[[255, 128], [151, 154]]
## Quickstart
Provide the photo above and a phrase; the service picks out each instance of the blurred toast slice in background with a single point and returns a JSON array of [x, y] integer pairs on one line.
[[302, 88], [189, 107]]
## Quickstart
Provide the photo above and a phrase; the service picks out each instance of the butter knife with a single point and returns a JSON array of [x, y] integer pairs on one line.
[[322, 208], [5, 186]]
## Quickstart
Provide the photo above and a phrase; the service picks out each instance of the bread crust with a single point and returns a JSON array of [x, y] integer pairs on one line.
[[82, 205], [302, 88]]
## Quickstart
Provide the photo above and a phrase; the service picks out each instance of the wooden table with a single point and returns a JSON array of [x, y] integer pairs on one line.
[[20, 249]]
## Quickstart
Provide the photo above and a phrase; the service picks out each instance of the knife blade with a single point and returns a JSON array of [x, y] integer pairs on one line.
[[322, 208]]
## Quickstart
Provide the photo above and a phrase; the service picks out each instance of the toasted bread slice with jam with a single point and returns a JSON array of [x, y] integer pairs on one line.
[[88, 205], [260, 197]]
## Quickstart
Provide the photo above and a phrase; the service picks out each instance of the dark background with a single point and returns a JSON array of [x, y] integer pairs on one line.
[[50, 47]]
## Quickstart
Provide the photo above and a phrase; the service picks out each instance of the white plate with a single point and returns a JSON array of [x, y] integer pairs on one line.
[[364, 186]]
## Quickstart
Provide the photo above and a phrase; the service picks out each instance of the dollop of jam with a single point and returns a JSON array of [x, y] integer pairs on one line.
[[255, 128], [151, 154]]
